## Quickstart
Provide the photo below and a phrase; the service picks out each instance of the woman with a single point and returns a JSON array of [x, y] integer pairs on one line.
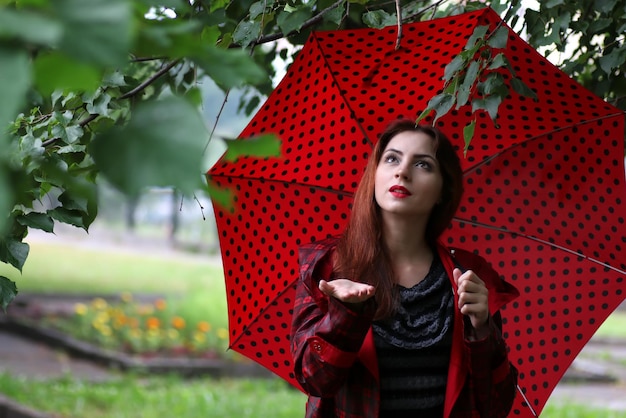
[[387, 321]]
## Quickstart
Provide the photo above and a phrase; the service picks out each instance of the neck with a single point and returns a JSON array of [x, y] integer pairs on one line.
[[410, 253], [405, 238]]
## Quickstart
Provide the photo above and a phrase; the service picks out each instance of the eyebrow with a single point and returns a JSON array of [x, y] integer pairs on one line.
[[415, 156]]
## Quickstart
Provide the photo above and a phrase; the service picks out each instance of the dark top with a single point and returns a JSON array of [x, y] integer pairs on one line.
[[413, 348]]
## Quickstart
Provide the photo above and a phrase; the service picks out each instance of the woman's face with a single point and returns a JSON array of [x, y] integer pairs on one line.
[[408, 179]]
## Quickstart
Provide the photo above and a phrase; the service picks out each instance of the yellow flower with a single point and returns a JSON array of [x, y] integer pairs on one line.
[[178, 322], [126, 297], [222, 333], [172, 334], [99, 303], [204, 326], [80, 309], [102, 317], [199, 337]]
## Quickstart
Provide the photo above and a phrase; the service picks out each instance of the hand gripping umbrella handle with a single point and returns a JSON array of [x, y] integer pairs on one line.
[[519, 389]]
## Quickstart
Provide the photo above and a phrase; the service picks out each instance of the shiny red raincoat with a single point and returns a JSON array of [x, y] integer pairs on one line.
[[335, 358]]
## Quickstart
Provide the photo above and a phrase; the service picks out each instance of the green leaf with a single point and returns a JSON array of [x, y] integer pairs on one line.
[[605, 6], [553, 3], [67, 216], [14, 252], [252, 105], [223, 197], [561, 23], [96, 31], [494, 84], [256, 9], [210, 34], [478, 34], [468, 82], [614, 59], [468, 134], [6, 191], [8, 291], [454, 66], [68, 134], [15, 79], [114, 79], [37, 220], [379, 19], [57, 71], [98, 103], [260, 146], [162, 145], [499, 38], [335, 15], [289, 22], [422, 115], [194, 96], [441, 104], [521, 88], [247, 32], [29, 27], [230, 68], [500, 61], [488, 103], [599, 25]]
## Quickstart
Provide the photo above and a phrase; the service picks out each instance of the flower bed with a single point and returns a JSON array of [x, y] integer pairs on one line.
[[139, 333], [140, 328]]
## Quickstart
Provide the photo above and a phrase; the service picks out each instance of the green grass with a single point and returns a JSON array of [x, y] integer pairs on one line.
[[574, 410], [139, 397], [131, 397], [614, 326], [71, 269]]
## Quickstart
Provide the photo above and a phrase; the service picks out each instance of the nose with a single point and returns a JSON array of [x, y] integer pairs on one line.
[[402, 172]]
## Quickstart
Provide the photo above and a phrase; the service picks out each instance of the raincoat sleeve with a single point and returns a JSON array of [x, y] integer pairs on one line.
[[325, 335], [493, 379]]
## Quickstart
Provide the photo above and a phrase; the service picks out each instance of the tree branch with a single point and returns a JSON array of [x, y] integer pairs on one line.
[[276, 36], [82, 123], [399, 16], [149, 81]]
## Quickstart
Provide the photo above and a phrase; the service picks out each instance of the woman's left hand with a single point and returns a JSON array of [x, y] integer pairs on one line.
[[473, 300]]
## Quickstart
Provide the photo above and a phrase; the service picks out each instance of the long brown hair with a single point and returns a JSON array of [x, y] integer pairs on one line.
[[361, 255]]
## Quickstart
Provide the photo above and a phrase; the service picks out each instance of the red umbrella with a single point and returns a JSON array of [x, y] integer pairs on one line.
[[544, 198]]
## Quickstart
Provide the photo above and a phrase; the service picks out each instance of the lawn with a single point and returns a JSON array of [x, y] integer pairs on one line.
[[196, 288]]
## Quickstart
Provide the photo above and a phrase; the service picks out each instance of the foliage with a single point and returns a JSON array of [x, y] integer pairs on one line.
[[142, 328], [110, 87]]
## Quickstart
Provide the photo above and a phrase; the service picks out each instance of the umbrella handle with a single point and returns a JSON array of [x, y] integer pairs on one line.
[[519, 389]]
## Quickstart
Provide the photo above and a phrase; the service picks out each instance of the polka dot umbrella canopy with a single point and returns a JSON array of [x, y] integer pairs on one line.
[[544, 195]]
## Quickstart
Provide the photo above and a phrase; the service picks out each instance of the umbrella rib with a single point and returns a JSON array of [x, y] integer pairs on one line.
[[282, 182], [247, 327], [519, 389], [496, 155], [341, 93], [542, 241]]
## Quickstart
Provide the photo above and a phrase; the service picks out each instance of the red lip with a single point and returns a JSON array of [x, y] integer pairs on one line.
[[399, 190]]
